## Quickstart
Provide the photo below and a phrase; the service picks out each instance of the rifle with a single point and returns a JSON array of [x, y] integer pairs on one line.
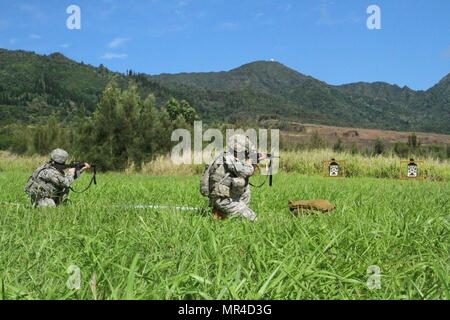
[[78, 165], [260, 156]]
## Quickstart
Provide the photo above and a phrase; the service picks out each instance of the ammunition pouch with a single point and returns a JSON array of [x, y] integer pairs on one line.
[[221, 184], [238, 186], [221, 191], [33, 188], [39, 189]]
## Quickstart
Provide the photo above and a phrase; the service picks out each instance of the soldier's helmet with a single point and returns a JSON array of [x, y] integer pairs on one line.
[[59, 156], [240, 143]]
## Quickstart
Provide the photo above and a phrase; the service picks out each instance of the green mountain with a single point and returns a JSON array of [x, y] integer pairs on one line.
[[257, 76], [33, 86], [295, 96]]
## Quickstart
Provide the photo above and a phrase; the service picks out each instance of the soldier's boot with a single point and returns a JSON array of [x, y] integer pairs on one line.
[[218, 215], [46, 203]]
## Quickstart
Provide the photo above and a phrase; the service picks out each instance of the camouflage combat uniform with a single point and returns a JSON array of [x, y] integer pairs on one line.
[[48, 187], [229, 186]]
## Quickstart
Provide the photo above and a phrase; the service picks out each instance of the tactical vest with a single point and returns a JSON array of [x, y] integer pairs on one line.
[[33, 187], [219, 180], [223, 184], [36, 188]]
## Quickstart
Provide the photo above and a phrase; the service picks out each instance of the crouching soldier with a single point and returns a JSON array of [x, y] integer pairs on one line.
[[226, 180], [49, 184]]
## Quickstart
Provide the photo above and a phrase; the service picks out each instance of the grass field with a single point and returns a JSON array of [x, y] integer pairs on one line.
[[400, 226]]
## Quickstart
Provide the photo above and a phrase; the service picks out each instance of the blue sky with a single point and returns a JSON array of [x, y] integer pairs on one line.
[[326, 39]]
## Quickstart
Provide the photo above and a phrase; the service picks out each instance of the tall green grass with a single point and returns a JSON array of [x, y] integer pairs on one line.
[[386, 166], [299, 162], [123, 253], [12, 162]]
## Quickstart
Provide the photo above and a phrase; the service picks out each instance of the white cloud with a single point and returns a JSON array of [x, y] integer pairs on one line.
[[287, 7], [325, 15], [180, 7], [111, 56], [65, 45], [159, 32], [13, 41], [201, 14], [34, 11], [107, 11], [258, 15], [182, 3], [117, 42], [35, 36], [228, 26], [27, 7]]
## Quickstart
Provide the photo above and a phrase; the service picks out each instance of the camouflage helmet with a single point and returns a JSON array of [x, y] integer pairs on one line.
[[59, 156], [240, 143]]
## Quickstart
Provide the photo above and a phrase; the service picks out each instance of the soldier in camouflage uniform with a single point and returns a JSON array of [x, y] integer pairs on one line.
[[229, 191], [49, 185]]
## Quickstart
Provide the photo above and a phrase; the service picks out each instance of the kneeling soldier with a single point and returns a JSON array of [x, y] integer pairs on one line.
[[49, 185], [229, 191]]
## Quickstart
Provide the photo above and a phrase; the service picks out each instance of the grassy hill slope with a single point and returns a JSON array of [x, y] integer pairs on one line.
[[33, 86]]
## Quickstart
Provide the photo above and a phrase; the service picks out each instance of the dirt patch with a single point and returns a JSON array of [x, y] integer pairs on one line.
[[362, 137]]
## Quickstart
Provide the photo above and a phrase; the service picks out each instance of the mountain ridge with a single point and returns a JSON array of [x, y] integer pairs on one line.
[[256, 90], [61, 55]]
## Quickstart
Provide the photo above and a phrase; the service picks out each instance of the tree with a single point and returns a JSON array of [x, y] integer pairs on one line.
[[378, 147], [354, 150], [47, 137], [125, 129], [413, 142], [99, 140], [189, 113], [21, 142], [145, 144], [173, 108], [401, 149], [338, 146], [316, 141]]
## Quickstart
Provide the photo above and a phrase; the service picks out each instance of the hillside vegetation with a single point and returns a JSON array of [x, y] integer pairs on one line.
[[33, 86]]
